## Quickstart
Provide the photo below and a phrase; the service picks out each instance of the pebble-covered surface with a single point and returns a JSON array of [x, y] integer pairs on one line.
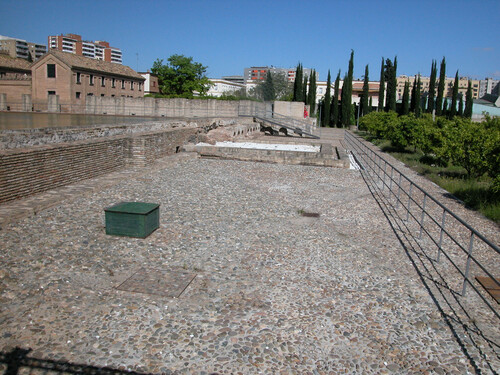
[[275, 292]]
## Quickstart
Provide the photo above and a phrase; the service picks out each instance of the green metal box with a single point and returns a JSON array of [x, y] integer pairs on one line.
[[132, 219]]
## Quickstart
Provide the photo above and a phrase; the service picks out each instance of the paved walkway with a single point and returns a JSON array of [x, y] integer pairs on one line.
[[273, 292]]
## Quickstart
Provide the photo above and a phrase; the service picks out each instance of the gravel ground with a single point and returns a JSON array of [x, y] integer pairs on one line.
[[275, 292]]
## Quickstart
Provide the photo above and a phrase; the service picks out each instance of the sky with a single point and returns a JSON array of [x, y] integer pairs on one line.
[[227, 36]]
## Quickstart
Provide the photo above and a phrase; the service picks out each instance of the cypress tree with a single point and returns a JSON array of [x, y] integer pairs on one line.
[[268, 90], [413, 103], [461, 106], [468, 101], [418, 108], [327, 102], [390, 77], [312, 92], [454, 97], [370, 105], [432, 87], [382, 87], [335, 101], [347, 94], [364, 98], [440, 93], [297, 84], [406, 98], [444, 111], [304, 90]]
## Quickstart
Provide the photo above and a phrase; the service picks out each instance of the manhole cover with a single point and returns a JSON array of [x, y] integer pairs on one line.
[[171, 283], [491, 286]]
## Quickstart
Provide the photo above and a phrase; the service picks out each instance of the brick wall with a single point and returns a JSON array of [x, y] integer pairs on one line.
[[24, 172]]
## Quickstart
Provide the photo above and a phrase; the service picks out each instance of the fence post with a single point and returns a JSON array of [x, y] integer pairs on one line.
[[441, 235], [392, 173], [399, 190], [385, 168], [423, 215], [409, 202], [467, 267]]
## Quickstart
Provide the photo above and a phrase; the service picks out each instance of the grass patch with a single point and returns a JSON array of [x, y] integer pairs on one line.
[[476, 194]]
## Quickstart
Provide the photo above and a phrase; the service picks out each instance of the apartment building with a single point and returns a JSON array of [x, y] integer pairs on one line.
[[19, 48], [448, 86], [73, 43], [257, 73], [489, 86], [73, 78]]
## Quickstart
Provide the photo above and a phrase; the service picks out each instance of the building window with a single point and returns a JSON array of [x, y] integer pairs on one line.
[[51, 70], [113, 83], [78, 95], [102, 94], [78, 78], [90, 94], [140, 86], [51, 92], [123, 83], [131, 85], [91, 79], [102, 81]]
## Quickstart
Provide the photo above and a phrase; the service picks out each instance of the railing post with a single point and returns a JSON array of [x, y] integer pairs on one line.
[[399, 190], [467, 267], [390, 182], [441, 235], [409, 202], [423, 215], [385, 168]]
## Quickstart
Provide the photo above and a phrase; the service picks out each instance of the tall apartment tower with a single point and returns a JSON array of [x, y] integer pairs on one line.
[[22, 49], [73, 43]]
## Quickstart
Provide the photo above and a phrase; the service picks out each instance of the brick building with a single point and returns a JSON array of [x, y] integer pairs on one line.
[[72, 78], [15, 80]]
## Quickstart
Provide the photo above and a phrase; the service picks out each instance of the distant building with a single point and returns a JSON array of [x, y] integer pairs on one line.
[[448, 86], [73, 43], [489, 86], [73, 78], [22, 49], [257, 73], [150, 83], [236, 79], [222, 86]]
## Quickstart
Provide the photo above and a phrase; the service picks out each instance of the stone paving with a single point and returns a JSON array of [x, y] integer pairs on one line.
[[274, 293]]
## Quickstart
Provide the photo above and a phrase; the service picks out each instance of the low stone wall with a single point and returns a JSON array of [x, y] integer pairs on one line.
[[327, 157], [36, 137], [24, 172]]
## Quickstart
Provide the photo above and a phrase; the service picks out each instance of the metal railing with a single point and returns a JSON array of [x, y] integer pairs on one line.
[[298, 126], [466, 251]]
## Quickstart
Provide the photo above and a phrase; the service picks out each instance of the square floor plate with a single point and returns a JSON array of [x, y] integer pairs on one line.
[[165, 283], [491, 286]]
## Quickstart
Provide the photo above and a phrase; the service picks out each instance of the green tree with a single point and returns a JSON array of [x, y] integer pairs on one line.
[[346, 96], [327, 102], [366, 92], [440, 93], [181, 77], [406, 98], [454, 97], [468, 101], [432, 88], [418, 106], [335, 101], [390, 78], [413, 100], [304, 89], [297, 86], [461, 106], [312, 92], [381, 89], [268, 91]]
